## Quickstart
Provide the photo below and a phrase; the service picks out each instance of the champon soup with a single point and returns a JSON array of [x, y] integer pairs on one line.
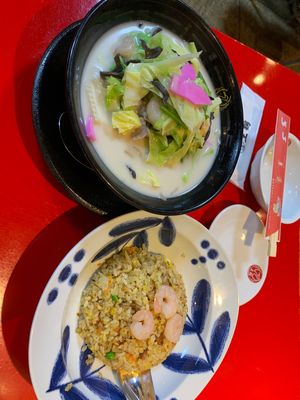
[[150, 109]]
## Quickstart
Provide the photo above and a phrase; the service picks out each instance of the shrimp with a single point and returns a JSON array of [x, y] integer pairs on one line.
[[142, 324], [174, 327], [165, 301]]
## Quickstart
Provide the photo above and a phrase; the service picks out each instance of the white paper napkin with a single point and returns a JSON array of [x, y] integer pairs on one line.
[[253, 107]]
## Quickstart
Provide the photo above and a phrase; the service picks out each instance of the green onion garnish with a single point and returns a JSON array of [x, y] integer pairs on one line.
[[114, 297], [110, 355]]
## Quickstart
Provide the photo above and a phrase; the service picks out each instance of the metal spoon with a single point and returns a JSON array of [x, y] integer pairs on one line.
[[138, 387]]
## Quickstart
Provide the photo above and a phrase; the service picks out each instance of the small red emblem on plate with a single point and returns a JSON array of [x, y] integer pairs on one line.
[[255, 273]]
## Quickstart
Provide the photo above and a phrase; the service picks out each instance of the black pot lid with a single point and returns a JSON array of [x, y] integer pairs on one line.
[[55, 137]]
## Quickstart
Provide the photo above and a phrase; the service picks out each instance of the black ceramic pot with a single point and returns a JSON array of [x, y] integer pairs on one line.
[[186, 23]]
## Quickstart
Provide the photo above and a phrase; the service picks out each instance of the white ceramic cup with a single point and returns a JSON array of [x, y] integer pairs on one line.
[[261, 177]]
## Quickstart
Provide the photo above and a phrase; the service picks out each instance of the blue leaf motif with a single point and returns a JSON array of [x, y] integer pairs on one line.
[[79, 255], [141, 239], [72, 394], [188, 329], [219, 336], [65, 341], [65, 273], [59, 369], [58, 372], [186, 364], [52, 296], [167, 232], [200, 304], [135, 224], [73, 279], [84, 368], [104, 388], [114, 245]]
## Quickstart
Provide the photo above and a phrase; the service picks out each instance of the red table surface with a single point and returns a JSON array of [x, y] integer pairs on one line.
[[39, 224]]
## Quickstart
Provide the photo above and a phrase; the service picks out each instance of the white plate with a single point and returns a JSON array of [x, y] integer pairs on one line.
[[241, 234], [55, 356]]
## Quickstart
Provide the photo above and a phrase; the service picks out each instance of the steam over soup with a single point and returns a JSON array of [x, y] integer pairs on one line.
[[150, 109]]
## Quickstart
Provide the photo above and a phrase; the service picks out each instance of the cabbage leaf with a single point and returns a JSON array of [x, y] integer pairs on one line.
[[192, 116], [114, 93], [126, 122], [133, 89]]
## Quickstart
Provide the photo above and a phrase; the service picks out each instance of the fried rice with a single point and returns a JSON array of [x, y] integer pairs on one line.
[[124, 284]]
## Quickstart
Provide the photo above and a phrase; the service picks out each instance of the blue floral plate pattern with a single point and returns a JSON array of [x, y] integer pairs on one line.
[[57, 354]]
